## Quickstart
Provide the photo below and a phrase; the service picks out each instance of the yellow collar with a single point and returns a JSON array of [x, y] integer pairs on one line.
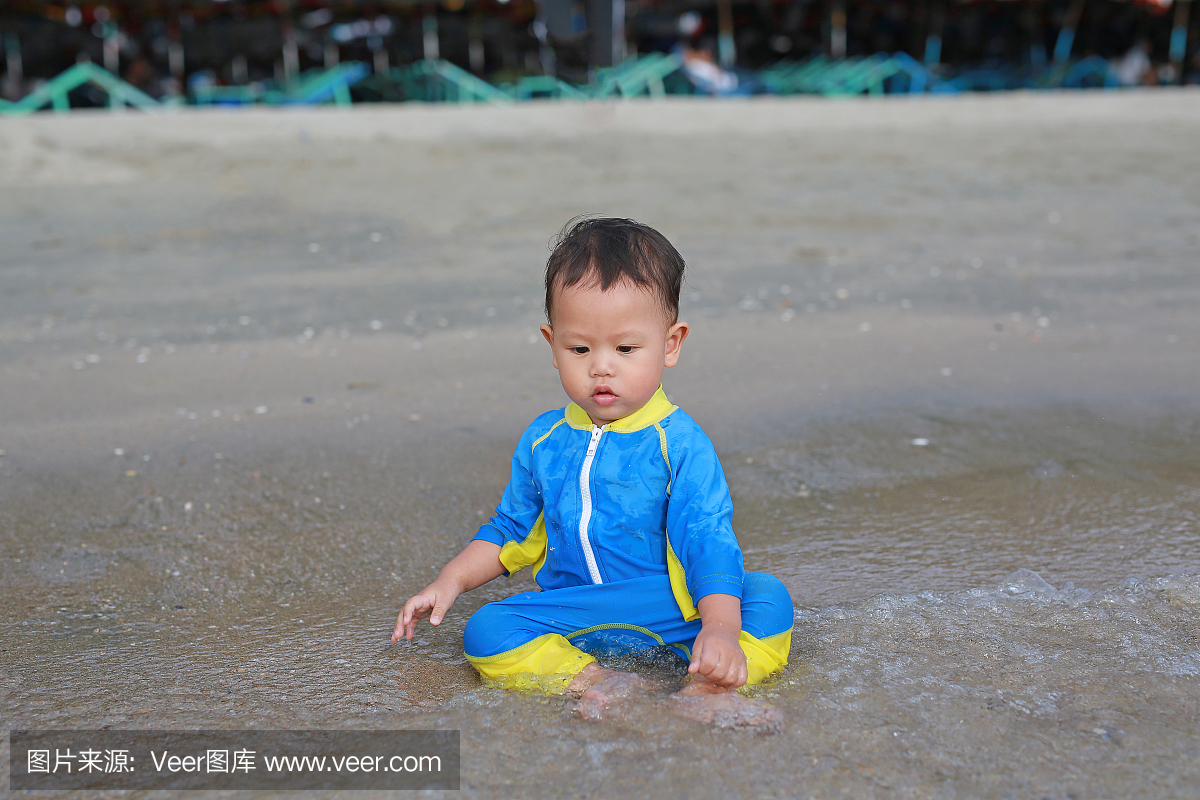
[[655, 410]]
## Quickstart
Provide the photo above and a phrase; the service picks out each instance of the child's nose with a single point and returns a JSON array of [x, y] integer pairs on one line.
[[602, 368]]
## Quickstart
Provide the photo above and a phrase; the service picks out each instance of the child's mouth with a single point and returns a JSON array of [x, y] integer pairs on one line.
[[604, 397]]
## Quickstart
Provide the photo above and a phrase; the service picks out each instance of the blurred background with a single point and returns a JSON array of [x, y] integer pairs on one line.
[[244, 51]]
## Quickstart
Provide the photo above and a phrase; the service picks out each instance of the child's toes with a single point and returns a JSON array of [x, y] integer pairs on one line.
[[592, 706], [612, 691]]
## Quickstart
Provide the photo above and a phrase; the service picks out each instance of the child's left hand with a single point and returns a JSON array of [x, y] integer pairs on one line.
[[717, 655], [718, 658]]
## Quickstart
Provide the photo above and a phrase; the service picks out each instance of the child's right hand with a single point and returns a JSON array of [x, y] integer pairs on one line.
[[433, 601], [477, 564]]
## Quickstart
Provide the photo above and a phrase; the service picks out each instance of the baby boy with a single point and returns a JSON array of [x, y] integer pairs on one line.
[[620, 505]]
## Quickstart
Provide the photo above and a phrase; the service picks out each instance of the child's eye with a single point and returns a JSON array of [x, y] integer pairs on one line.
[[625, 348], [581, 350]]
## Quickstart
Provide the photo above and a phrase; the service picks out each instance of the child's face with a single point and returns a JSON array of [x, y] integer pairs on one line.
[[610, 347]]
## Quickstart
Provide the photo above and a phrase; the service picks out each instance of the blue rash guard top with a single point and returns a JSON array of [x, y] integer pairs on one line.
[[643, 495]]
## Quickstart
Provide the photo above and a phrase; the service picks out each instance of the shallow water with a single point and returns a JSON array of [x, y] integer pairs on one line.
[[963, 434], [927, 660], [1072, 496]]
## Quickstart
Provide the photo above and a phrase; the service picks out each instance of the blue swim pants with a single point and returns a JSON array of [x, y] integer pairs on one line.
[[540, 640]]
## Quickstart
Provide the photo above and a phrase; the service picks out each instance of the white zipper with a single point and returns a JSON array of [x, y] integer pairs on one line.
[[585, 490]]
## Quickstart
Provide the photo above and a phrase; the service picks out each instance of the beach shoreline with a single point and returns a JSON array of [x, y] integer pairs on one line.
[[261, 372]]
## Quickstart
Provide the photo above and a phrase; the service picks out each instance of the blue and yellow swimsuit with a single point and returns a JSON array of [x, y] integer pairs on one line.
[[627, 526]]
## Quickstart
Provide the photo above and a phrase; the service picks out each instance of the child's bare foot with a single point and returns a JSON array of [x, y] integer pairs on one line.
[[724, 708], [587, 677], [600, 689]]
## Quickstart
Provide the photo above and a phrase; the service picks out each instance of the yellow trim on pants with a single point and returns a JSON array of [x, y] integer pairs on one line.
[[765, 656], [549, 662], [546, 664]]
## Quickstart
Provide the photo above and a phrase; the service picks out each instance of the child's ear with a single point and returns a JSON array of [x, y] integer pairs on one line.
[[548, 332], [675, 336]]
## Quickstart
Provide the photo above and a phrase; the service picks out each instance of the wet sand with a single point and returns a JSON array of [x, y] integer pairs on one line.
[[935, 341]]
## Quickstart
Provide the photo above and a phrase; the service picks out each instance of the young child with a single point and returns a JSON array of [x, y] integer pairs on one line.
[[620, 505]]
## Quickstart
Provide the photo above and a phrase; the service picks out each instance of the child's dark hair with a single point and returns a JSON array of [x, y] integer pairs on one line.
[[607, 251]]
